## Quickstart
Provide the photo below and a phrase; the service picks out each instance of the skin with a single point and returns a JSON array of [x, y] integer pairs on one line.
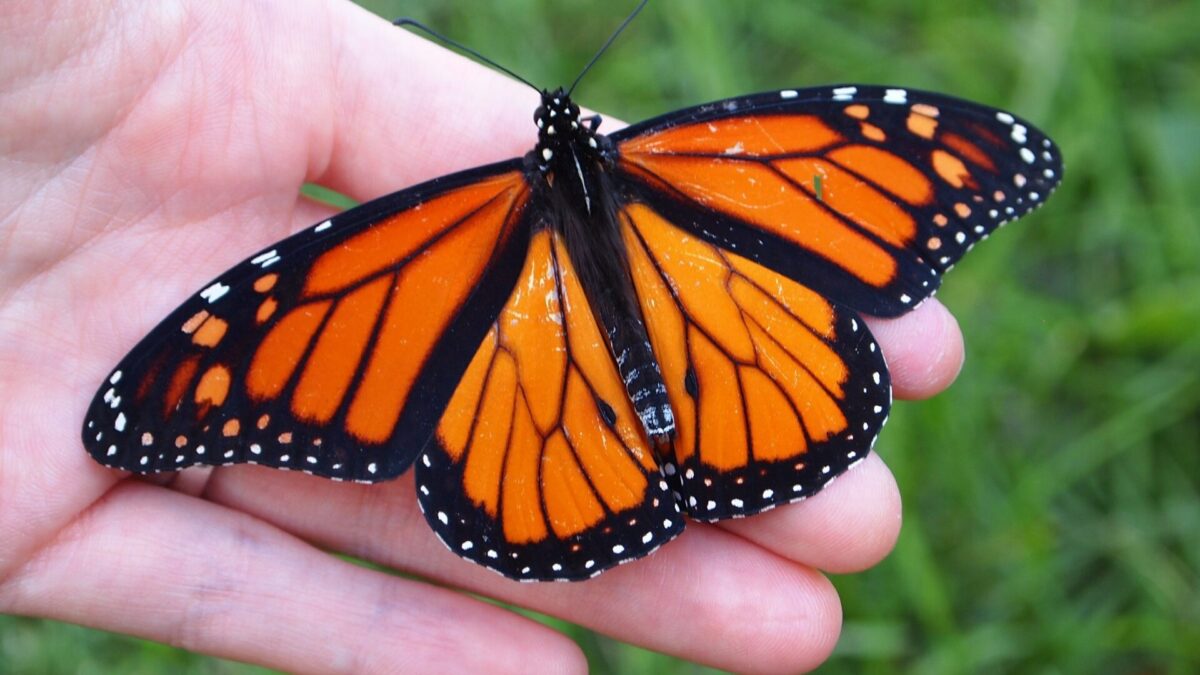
[[145, 147]]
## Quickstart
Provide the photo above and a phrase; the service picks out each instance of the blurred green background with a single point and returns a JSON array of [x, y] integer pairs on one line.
[[1052, 496]]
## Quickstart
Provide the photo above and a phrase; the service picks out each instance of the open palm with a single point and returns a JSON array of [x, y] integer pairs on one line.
[[146, 147]]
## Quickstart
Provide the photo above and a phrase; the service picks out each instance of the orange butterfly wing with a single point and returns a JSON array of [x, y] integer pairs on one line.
[[333, 352], [757, 227], [775, 390], [864, 194], [541, 469]]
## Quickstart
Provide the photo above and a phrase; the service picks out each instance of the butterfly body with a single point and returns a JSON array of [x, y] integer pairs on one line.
[[570, 169], [576, 347]]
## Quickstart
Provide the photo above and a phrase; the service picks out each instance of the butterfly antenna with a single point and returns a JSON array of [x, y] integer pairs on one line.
[[405, 21], [611, 38]]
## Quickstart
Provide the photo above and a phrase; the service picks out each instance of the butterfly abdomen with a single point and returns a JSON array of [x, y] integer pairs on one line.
[[643, 378]]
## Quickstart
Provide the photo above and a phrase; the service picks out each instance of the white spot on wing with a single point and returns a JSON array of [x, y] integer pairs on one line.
[[214, 292]]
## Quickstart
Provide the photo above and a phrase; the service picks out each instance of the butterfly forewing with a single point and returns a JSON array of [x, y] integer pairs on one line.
[[332, 352], [864, 194]]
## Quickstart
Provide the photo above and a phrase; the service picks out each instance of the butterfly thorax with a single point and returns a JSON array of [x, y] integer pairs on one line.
[[571, 168], [569, 149]]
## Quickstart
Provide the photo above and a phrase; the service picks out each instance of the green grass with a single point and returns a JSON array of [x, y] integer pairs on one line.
[[1052, 496]]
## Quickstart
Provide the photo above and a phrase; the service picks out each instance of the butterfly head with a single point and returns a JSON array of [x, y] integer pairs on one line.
[[560, 128]]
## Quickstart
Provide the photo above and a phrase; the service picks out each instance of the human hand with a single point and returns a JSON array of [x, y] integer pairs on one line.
[[148, 146]]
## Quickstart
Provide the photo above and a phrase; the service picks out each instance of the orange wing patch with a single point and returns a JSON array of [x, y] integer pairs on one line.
[[761, 372], [392, 240], [754, 136], [764, 170], [540, 441], [400, 284]]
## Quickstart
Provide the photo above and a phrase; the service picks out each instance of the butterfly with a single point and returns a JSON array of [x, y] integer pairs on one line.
[[578, 347]]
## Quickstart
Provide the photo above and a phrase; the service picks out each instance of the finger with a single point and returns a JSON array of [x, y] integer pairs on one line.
[[709, 596], [150, 562], [851, 525], [923, 349], [407, 110]]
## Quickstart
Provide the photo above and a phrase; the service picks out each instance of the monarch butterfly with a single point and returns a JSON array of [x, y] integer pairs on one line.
[[579, 346]]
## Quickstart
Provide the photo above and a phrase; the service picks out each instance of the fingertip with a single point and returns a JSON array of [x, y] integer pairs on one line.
[[820, 630], [780, 618], [864, 514], [924, 349], [815, 623]]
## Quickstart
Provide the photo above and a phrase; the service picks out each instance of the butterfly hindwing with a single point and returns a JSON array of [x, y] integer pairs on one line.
[[334, 351], [540, 468], [864, 194], [775, 389]]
